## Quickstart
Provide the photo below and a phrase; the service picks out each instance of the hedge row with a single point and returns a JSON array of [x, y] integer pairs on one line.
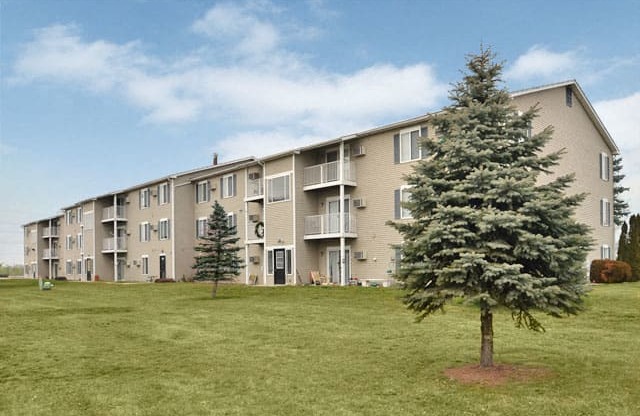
[[610, 271]]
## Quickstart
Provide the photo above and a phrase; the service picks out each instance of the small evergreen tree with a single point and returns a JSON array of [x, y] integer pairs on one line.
[[620, 206], [633, 247], [482, 228], [219, 253], [623, 244]]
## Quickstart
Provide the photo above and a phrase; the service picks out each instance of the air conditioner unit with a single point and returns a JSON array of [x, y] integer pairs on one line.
[[254, 217], [360, 255], [126, 200], [154, 195], [135, 262], [254, 259], [358, 151], [359, 203], [254, 175]]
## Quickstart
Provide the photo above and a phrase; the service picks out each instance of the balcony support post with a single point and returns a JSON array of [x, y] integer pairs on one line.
[[115, 238], [341, 210]]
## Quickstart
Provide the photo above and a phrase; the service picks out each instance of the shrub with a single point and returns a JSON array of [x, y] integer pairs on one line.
[[610, 271], [165, 280]]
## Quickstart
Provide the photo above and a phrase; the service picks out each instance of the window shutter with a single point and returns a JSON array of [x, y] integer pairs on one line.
[[396, 148], [221, 188], [396, 203], [424, 132], [168, 228], [233, 192], [398, 253], [601, 166], [415, 146]]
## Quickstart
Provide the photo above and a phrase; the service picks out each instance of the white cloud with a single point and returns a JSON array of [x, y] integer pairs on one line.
[[540, 62], [270, 88], [620, 116]]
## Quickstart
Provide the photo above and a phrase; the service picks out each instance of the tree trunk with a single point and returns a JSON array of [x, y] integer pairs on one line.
[[486, 328], [214, 291]]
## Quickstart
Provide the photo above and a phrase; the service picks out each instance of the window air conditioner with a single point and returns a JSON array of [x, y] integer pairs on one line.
[[360, 255], [358, 151], [254, 260], [359, 203], [254, 175], [254, 218]]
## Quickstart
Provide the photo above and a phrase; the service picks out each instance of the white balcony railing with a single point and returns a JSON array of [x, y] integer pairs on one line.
[[50, 232], [109, 244], [50, 253], [255, 188], [111, 213], [326, 173], [329, 224]]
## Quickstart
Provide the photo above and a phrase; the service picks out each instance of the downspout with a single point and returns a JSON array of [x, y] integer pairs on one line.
[[341, 210], [115, 238], [50, 250], [173, 227], [246, 227]]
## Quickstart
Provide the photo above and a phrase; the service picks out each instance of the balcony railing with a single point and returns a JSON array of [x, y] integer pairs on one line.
[[328, 226], [112, 213], [50, 253], [327, 174], [109, 244], [50, 232], [255, 188]]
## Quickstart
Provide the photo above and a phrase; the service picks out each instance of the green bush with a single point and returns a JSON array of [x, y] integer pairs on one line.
[[610, 271]]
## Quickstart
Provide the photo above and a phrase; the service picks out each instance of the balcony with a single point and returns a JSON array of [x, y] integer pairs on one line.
[[114, 213], [255, 189], [50, 232], [49, 253], [328, 174], [328, 226], [109, 245]]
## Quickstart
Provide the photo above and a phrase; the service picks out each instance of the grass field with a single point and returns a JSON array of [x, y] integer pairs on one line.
[[168, 349]]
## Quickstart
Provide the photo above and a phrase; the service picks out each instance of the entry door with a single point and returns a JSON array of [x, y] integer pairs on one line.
[[120, 269], [163, 266], [89, 268], [279, 272], [333, 217], [333, 266]]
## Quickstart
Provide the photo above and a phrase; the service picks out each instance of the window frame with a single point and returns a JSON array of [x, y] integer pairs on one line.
[[79, 215], [605, 212], [203, 192], [409, 131], [605, 166], [201, 231], [228, 186], [68, 244], [164, 232], [232, 220], [164, 196], [80, 241], [405, 214], [605, 252], [144, 232], [69, 268], [144, 196], [79, 267], [286, 191]]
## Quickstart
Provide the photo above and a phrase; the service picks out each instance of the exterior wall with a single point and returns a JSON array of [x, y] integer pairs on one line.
[[377, 177], [575, 132]]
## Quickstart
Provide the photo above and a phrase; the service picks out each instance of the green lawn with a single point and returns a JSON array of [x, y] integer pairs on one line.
[[168, 349]]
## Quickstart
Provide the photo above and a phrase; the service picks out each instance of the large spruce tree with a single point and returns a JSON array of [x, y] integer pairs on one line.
[[219, 251], [486, 226]]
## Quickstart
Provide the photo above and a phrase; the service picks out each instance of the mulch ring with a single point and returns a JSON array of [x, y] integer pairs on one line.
[[497, 375]]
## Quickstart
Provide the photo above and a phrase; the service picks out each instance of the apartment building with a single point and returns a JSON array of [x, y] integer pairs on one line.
[[321, 208]]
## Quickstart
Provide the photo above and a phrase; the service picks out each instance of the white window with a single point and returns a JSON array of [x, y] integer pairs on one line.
[[80, 241], [229, 186], [605, 212], [278, 188], [79, 267], [604, 166], [402, 195], [79, 215], [68, 242], [232, 220], [145, 198], [145, 264], [145, 231], [202, 192], [68, 217], [163, 229], [69, 268], [605, 251], [163, 194], [410, 145], [88, 220], [271, 260], [201, 227]]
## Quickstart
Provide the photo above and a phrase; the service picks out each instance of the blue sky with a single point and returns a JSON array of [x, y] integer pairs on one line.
[[99, 95]]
